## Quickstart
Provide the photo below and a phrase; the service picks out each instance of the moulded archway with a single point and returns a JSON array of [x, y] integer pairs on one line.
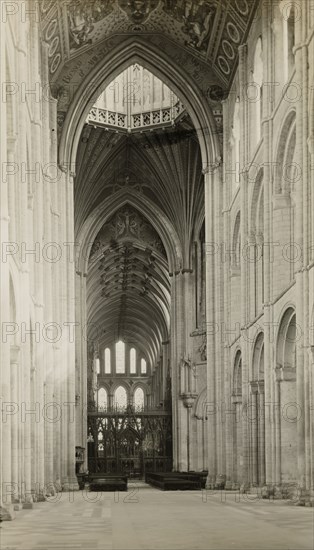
[[131, 51]]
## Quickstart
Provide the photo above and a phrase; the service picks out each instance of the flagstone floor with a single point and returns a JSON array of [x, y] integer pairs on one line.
[[146, 518]]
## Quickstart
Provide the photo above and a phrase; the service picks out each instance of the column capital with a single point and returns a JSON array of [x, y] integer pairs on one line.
[[211, 167]]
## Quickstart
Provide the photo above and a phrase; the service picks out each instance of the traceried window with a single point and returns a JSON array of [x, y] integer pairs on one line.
[[107, 361], [120, 398], [139, 398], [102, 398], [120, 357], [143, 366], [132, 361]]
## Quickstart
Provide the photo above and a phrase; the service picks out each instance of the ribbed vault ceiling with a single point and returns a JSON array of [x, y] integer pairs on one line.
[[128, 287], [128, 282], [164, 166]]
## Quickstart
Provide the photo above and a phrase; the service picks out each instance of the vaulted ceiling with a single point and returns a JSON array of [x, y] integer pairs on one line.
[[128, 282], [128, 286]]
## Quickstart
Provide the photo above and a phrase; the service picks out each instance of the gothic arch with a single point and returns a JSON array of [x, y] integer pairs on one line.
[[236, 240], [128, 52], [286, 387], [257, 204], [237, 373], [137, 385], [258, 358], [124, 383], [286, 339], [285, 150], [108, 207]]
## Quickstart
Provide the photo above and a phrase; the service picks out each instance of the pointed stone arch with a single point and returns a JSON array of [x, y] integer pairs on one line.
[[131, 51]]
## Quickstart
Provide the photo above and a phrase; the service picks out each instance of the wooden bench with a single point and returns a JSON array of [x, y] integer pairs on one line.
[[107, 482], [172, 481]]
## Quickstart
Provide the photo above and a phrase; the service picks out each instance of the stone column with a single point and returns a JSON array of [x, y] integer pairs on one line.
[[277, 478], [211, 178], [268, 238], [244, 151], [5, 394], [14, 360], [261, 432], [301, 239], [48, 359], [81, 358], [70, 273], [253, 418], [188, 400]]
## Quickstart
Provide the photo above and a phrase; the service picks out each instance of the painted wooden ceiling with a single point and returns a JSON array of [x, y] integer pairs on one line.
[[208, 31]]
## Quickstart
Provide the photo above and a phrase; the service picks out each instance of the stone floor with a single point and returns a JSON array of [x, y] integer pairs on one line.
[[146, 518]]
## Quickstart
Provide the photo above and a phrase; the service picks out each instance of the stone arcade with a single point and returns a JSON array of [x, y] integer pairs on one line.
[[157, 244]]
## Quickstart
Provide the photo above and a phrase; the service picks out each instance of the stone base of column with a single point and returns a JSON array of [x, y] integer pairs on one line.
[[50, 491], [229, 485], [7, 512], [268, 491], [28, 505], [304, 498], [71, 485], [210, 482], [220, 481], [244, 488], [291, 492], [58, 485], [40, 497]]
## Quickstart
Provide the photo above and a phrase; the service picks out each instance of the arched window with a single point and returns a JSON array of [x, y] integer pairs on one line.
[[139, 398], [120, 398], [107, 361], [132, 361], [143, 366], [120, 357], [102, 398]]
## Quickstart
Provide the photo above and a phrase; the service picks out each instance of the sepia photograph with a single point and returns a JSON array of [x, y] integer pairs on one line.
[[157, 275]]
